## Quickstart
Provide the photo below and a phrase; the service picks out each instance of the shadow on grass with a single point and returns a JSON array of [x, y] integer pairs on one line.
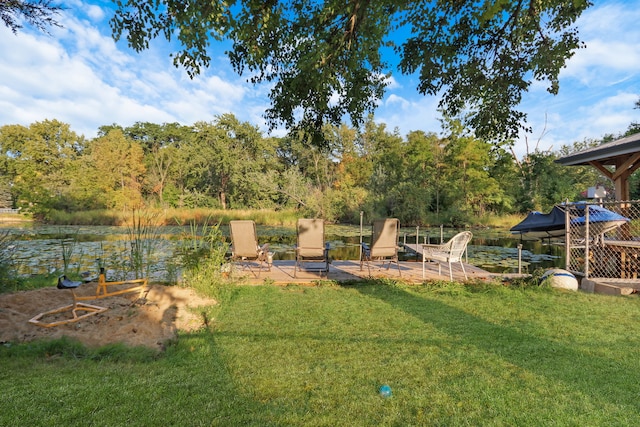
[[210, 394], [600, 379], [189, 384]]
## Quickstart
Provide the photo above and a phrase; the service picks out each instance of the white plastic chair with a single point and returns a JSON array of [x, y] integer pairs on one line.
[[449, 252]]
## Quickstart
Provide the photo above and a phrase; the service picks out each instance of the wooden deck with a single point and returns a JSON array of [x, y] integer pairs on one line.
[[343, 271]]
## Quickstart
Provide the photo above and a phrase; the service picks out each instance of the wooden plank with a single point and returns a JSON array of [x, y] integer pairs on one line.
[[609, 289], [343, 271], [608, 286]]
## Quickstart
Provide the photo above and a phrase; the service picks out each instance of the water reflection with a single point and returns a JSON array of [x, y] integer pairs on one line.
[[495, 251], [38, 249]]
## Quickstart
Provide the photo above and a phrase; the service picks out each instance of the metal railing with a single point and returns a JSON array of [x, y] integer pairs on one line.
[[9, 211], [604, 244]]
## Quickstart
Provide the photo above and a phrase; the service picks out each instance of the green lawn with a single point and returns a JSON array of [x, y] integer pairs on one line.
[[452, 354]]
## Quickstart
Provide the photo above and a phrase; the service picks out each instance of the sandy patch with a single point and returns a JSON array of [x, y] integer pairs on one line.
[[149, 321]]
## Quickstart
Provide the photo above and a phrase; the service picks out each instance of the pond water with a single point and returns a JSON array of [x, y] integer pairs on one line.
[[39, 249]]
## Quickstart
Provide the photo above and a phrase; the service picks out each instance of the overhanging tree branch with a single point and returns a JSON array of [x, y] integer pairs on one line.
[[41, 14], [324, 58]]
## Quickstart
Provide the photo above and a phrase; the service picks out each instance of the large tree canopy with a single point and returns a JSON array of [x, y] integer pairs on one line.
[[327, 59]]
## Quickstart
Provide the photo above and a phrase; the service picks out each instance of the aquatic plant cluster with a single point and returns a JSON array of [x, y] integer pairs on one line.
[[172, 254]]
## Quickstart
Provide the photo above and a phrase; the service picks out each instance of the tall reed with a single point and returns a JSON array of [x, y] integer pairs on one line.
[[9, 280], [202, 254], [143, 233], [173, 216], [69, 248]]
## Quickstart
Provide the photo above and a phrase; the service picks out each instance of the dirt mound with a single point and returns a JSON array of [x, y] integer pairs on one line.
[[148, 321]]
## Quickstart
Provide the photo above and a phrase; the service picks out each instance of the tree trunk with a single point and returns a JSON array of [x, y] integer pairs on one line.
[[223, 200]]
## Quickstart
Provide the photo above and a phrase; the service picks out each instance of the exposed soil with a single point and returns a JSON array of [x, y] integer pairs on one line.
[[147, 320]]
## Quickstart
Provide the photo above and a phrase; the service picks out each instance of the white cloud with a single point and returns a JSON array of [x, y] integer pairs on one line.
[[397, 100], [610, 32], [619, 59], [614, 112], [409, 114], [391, 82], [80, 76], [613, 19], [599, 86], [583, 117], [94, 12]]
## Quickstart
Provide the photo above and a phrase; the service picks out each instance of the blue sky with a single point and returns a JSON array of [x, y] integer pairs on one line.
[[80, 76]]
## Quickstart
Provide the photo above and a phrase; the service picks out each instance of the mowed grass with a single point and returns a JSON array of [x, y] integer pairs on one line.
[[452, 354]]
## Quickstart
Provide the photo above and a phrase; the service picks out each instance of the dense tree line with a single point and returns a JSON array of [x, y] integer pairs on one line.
[[478, 57], [421, 178]]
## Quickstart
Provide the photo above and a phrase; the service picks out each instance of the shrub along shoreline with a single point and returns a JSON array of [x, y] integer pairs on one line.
[[201, 216]]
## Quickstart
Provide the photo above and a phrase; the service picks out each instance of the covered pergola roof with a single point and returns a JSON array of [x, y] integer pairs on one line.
[[623, 154]]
